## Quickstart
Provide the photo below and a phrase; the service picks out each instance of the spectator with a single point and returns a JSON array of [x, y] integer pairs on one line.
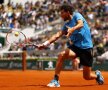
[[0, 45], [103, 57]]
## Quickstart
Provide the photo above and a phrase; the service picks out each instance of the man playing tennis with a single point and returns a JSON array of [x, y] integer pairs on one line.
[[78, 31]]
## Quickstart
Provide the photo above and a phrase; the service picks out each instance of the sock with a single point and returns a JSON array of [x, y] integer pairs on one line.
[[56, 77]]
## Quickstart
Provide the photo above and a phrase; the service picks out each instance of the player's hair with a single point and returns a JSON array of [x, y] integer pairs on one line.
[[67, 7]]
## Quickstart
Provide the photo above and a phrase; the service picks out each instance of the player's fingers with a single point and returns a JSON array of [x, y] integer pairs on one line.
[[68, 35], [39, 46]]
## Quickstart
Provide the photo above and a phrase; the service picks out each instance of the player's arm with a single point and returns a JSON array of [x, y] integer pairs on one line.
[[55, 37], [51, 40], [76, 27]]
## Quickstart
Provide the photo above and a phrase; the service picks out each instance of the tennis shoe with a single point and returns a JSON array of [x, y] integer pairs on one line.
[[54, 83], [99, 79]]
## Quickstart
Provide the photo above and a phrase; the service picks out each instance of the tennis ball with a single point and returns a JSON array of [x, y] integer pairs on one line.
[[16, 34]]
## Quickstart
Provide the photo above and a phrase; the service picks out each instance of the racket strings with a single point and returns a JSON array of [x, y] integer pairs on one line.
[[15, 40], [20, 40]]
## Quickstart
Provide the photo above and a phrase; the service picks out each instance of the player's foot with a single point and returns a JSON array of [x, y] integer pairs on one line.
[[54, 83], [99, 79]]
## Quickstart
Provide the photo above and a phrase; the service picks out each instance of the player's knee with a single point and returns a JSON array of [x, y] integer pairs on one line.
[[61, 54], [86, 77]]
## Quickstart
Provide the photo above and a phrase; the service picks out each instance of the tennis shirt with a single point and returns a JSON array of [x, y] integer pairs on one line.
[[81, 37]]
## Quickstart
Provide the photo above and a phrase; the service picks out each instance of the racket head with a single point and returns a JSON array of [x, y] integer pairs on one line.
[[16, 40]]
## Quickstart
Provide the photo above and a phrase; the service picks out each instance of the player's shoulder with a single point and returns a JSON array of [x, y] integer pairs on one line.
[[76, 13]]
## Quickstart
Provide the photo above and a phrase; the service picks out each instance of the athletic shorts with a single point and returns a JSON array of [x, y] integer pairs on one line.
[[85, 55]]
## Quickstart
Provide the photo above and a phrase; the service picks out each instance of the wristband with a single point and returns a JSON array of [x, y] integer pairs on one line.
[[46, 43]]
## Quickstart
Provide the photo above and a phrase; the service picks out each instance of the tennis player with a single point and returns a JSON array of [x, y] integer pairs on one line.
[[78, 31]]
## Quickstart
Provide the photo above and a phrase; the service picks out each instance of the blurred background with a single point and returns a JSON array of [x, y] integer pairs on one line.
[[39, 20]]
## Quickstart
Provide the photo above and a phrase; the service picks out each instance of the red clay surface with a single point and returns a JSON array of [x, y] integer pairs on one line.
[[37, 80]]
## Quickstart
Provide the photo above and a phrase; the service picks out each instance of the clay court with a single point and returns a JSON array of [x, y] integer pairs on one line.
[[37, 80]]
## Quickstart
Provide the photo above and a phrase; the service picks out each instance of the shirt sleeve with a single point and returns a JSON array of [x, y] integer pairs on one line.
[[78, 16]]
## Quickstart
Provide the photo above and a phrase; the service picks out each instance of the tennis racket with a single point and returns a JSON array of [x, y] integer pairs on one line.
[[18, 38]]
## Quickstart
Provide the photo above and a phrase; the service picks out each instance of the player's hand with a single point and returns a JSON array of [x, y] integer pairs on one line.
[[69, 31], [41, 46]]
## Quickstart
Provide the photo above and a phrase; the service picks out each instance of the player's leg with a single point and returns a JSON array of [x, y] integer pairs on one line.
[[86, 59], [75, 63], [66, 54], [89, 75]]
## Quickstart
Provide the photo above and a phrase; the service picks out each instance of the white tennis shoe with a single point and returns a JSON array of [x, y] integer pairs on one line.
[[99, 79], [54, 83]]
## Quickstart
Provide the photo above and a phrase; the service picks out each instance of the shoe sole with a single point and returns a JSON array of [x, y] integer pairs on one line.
[[53, 86]]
